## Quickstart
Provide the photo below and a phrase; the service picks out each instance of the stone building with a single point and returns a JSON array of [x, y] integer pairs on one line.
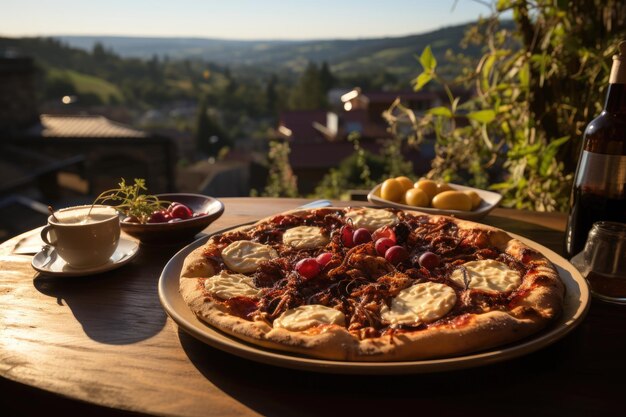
[[46, 158], [108, 150]]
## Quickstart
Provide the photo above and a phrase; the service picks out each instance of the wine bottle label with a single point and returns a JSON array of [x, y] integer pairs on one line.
[[602, 174]]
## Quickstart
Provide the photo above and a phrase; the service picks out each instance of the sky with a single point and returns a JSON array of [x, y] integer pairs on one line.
[[234, 19]]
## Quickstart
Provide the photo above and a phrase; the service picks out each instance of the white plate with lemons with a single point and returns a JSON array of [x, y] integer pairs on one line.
[[488, 201]]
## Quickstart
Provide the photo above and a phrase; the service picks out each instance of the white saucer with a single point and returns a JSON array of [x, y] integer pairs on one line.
[[49, 263]]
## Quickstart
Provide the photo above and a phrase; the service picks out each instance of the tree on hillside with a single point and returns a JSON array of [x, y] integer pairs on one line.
[[155, 71], [100, 55], [310, 91], [57, 86], [210, 137], [103, 56], [327, 80], [271, 95], [231, 82]]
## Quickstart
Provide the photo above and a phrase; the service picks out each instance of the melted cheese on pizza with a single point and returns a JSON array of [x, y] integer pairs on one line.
[[488, 275], [371, 219], [304, 317], [245, 256], [226, 285], [305, 237], [420, 303]]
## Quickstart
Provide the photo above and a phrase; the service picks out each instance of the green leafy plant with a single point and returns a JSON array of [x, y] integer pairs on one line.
[[536, 86], [349, 175], [129, 200], [281, 181], [361, 160], [363, 170]]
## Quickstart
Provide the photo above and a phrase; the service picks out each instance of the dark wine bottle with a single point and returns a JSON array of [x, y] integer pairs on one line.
[[599, 190]]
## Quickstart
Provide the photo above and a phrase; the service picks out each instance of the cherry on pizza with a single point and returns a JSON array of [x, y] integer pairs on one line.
[[363, 284]]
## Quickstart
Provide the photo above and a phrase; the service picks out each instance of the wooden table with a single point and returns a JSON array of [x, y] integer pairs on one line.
[[102, 345]]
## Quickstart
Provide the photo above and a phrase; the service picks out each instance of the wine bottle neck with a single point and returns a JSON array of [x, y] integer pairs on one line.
[[616, 99]]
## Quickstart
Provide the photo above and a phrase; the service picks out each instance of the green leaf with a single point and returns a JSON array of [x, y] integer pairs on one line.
[[559, 31], [540, 62], [440, 111], [502, 4], [557, 143], [521, 151], [421, 81], [500, 186], [455, 104], [486, 138], [482, 116], [486, 71], [524, 76], [548, 155], [427, 59]]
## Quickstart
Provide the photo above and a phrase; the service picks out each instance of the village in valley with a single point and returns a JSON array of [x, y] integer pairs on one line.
[[63, 146]]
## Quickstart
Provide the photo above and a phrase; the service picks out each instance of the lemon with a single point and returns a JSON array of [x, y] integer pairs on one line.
[[429, 187], [405, 182], [474, 197], [392, 190], [443, 186], [416, 197], [452, 200]]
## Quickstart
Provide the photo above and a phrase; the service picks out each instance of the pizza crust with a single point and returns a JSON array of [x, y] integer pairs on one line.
[[539, 301], [481, 332], [545, 299], [196, 265], [332, 342]]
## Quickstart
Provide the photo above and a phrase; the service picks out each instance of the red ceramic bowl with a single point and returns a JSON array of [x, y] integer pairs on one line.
[[184, 230]]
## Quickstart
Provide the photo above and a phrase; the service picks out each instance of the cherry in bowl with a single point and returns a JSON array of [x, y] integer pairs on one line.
[[179, 225]]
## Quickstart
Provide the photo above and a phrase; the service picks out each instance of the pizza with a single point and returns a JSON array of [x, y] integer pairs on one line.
[[366, 284]]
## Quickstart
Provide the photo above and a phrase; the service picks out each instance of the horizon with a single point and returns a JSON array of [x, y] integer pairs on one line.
[[91, 35], [242, 20]]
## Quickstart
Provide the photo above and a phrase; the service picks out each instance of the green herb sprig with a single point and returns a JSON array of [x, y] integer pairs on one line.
[[129, 200]]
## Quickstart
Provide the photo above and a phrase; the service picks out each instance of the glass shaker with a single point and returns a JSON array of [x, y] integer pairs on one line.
[[603, 261]]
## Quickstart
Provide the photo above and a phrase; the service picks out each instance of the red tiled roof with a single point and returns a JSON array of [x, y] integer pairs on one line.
[[302, 125], [319, 155], [359, 116], [300, 122]]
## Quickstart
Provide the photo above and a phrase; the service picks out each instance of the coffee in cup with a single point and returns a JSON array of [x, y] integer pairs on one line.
[[83, 236]]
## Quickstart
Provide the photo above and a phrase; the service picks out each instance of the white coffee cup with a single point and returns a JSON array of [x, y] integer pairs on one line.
[[83, 236]]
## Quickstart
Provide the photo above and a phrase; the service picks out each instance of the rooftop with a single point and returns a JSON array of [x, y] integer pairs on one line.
[[82, 126]]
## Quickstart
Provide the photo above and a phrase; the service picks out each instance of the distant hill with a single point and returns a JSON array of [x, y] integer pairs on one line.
[[155, 71], [395, 54]]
